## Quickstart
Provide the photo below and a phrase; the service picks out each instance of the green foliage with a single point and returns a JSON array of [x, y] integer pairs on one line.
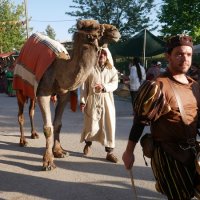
[[129, 16], [12, 28], [180, 16], [50, 32]]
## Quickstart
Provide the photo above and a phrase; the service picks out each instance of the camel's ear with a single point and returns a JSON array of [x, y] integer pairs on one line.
[[87, 24], [109, 27]]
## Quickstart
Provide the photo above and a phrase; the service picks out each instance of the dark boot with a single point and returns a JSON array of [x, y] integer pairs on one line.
[[110, 156], [87, 149]]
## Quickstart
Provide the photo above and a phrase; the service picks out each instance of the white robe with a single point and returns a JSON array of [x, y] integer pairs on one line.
[[99, 113], [134, 78]]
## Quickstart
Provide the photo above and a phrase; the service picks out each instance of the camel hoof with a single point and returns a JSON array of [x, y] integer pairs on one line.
[[23, 143], [48, 163], [66, 153], [34, 135], [49, 167], [60, 154]]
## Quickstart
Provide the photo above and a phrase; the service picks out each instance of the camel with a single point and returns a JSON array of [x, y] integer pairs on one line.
[[63, 76]]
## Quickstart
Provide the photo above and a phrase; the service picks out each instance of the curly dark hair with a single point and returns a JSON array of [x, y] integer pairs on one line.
[[136, 62]]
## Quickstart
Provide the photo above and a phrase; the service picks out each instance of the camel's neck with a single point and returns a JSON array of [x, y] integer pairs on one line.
[[82, 62]]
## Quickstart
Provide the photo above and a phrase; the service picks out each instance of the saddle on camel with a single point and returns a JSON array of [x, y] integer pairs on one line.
[[38, 76]]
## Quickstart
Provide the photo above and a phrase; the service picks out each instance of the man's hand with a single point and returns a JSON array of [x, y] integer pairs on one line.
[[128, 156], [98, 88], [128, 159]]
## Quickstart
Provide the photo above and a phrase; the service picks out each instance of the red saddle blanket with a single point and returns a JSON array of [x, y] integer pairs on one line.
[[35, 57]]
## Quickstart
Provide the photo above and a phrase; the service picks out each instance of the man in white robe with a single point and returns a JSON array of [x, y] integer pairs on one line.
[[97, 103]]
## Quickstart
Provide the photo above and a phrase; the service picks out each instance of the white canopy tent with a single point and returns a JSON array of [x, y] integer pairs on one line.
[[197, 48]]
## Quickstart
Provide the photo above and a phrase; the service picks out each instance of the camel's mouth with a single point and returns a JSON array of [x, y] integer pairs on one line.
[[112, 37], [116, 39]]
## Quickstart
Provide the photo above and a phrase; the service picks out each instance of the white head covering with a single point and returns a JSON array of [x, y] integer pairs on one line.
[[109, 56]]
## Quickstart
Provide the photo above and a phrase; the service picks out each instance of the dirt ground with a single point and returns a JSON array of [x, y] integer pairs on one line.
[[76, 177]]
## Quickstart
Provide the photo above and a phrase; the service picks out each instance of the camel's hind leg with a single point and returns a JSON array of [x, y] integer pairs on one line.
[[58, 151], [48, 158], [21, 100], [34, 134]]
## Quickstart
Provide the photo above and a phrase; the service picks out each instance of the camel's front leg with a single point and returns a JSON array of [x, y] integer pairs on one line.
[[48, 158], [34, 134], [58, 151]]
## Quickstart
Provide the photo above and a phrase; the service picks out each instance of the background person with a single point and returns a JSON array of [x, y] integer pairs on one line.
[[3, 82], [137, 77], [173, 158], [97, 102], [154, 70], [9, 77], [194, 72]]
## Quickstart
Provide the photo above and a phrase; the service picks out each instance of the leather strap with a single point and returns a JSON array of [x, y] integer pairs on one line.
[[179, 102]]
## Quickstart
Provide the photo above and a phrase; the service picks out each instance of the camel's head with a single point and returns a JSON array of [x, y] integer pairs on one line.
[[110, 34], [90, 27]]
